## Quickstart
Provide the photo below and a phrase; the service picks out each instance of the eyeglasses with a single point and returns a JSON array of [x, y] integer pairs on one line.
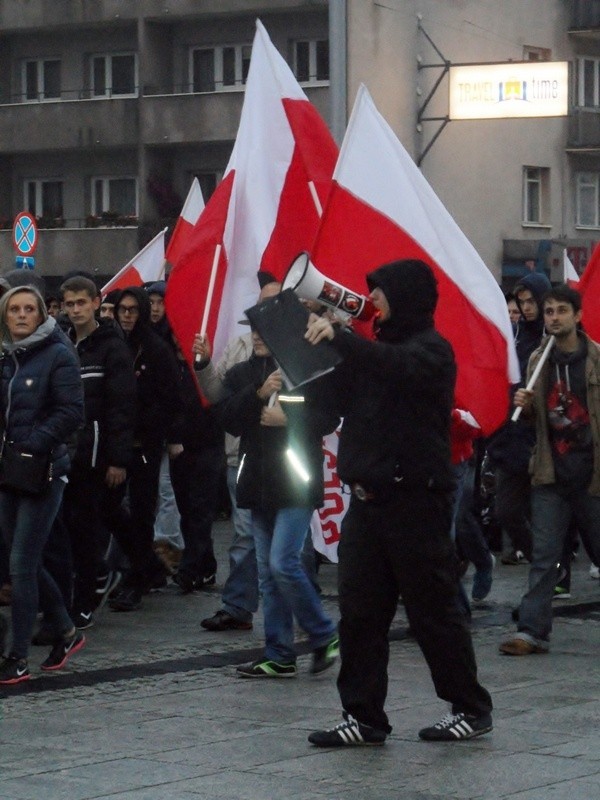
[[133, 310]]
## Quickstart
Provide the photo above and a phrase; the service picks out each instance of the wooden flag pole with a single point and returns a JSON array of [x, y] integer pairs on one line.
[[209, 295], [535, 375]]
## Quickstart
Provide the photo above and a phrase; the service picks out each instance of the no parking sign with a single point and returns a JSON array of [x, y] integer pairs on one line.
[[25, 238]]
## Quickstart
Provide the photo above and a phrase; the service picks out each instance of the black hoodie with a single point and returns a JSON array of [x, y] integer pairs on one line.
[[156, 374], [396, 394]]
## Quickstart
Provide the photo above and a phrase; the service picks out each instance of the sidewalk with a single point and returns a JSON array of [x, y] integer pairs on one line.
[[151, 709]]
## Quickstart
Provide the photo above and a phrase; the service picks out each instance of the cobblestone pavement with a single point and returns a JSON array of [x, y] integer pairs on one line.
[[151, 709]]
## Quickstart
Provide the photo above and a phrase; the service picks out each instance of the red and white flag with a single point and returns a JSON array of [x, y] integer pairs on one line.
[[589, 286], [570, 275], [148, 265], [380, 209], [265, 210], [190, 213]]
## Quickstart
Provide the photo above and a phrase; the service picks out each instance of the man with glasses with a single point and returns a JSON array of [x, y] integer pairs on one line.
[[156, 375]]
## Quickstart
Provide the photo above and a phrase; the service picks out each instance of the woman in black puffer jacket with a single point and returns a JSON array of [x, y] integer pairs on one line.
[[42, 403]]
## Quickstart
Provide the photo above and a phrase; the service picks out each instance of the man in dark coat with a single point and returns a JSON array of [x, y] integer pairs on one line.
[[156, 400], [396, 398], [104, 445]]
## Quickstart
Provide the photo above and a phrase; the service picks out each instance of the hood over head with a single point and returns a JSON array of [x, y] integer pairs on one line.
[[410, 288], [158, 287], [537, 283], [143, 301]]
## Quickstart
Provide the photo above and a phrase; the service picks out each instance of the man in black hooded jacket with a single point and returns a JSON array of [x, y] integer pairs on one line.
[[156, 397], [396, 397]]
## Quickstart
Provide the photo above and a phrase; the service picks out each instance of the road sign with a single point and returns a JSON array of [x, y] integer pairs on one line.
[[25, 262], [25, 234]]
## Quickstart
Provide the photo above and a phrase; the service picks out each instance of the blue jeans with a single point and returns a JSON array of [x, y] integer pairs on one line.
[[240, 593], [167, 523], [284, 586], [25, 522], [552, 508]]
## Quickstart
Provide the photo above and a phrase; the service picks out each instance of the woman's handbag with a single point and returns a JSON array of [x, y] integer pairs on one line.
[[27, 473]]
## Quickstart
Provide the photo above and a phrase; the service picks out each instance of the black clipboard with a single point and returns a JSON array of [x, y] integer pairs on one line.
[[281, 323]]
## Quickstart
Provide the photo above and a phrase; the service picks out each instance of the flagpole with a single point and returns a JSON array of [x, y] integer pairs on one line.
[[315, 197], [535, 375], [209, 294]]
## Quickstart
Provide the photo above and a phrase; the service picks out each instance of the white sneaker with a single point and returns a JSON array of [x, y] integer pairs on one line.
[[594, 571]]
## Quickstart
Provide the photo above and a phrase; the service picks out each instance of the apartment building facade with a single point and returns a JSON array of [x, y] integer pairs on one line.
[[108, 109]]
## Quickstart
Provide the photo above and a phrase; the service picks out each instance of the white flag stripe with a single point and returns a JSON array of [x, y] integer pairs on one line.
[[372, 181], [569, 271], [194, 203], [149, 262], [261, 157]]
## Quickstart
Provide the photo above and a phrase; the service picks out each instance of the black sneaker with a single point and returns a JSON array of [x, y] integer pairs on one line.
[[514, 558], [13, 670], [105, 586], [128, 598], [454, 727], [349, 733], [63, 650], [186, 583], [264, 668], [83, 620], [324, 657]]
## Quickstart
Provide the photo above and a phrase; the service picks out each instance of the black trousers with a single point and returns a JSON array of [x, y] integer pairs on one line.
[[402, 547], [513, 507]]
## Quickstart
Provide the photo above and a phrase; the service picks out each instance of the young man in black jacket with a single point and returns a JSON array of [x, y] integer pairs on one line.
[[156, 403], [104, 445], [396, 396]]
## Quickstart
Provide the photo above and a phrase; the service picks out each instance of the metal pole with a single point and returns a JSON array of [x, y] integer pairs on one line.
[[338, 76]]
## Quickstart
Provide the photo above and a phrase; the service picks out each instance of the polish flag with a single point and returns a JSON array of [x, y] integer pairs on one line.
[[148, 265], [264, 212], [192, 208], [381, 209], [570, 275], [589, 286]]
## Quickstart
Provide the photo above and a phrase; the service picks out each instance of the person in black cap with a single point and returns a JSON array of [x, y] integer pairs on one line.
[[396, 396]]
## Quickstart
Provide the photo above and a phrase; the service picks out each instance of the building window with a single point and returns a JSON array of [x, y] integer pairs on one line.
[[216, 69], [44, 198], [41, 79], [531, 53], [587, 203], [588, 82], [114, 75], [115, 197], [535, 194], [311, 61]]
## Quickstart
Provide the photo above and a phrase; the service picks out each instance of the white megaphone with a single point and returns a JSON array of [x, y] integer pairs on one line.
[[308, 283]]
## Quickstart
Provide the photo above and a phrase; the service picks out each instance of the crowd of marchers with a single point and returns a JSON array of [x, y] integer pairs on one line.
[[140, 447]]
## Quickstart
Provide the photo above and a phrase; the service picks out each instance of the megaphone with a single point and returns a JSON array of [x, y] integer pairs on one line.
[[308, 283]]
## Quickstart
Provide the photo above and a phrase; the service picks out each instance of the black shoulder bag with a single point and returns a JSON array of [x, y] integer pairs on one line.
[[27, 473]]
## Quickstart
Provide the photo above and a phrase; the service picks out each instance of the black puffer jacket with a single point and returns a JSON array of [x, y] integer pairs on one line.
[[195, 426], [42, 396], [396, 394], [267, 478], [109, 393]]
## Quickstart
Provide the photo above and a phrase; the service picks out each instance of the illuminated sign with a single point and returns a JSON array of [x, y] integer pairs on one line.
[[500, 91]]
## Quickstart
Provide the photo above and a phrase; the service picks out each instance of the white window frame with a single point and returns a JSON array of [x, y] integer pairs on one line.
[[580, 84], [105, 180], [312, 62], [40, 70], [218, 51], [39, 183], [587, 179], [535, 177], [108, 91]]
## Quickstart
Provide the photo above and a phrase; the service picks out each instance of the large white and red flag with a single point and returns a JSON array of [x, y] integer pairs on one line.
[[148, 265], [589, 286], [380, 209], [265, 210], [190, 213]]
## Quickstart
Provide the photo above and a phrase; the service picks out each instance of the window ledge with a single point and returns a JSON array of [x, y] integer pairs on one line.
[[587, 227], [543, 225]]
